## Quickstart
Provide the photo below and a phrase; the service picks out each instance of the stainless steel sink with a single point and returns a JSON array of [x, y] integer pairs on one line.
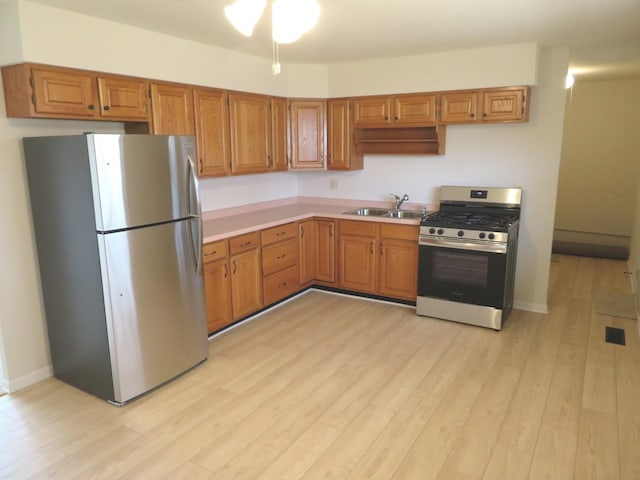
[[382, 212], [408, 214], [369, 212]]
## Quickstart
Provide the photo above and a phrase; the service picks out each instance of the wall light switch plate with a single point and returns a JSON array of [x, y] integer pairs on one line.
[[333, 184]]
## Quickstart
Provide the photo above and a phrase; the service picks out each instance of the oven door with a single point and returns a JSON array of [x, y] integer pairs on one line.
[[464, 271]]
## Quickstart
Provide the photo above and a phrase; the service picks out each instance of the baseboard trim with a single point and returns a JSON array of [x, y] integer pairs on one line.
[[12, 386], [531, 307]]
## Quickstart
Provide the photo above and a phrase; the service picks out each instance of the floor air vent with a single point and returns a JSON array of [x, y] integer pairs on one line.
[[614, 335]]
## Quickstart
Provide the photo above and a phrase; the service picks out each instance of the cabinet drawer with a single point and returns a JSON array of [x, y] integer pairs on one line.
[[279, 256], [401, 232], [280, 285], [214, 251], [349, 227], [244, 243], [281, 232]]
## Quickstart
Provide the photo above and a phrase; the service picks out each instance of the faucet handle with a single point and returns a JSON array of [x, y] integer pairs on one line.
[[395, 196]]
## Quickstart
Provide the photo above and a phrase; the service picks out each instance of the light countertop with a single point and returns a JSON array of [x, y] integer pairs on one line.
[[229, 222]]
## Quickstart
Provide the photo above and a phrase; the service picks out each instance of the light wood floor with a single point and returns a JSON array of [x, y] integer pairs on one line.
[[334, 387]]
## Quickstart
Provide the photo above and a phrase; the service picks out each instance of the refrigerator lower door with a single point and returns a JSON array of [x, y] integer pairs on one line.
[[155, 306]]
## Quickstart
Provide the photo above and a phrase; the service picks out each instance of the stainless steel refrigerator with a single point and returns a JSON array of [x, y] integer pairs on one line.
[[119, 237]]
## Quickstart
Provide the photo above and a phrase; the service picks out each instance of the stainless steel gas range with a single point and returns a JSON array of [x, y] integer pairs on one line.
[[467, 255]]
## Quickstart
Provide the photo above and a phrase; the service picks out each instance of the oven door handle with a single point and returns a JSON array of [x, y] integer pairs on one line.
[[474, 245]]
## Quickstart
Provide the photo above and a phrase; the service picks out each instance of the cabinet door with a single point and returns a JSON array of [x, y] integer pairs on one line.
[[246, 283], [212, 131], [307, 251], [398, 268], [172, 109], [371, 111], [279, 134], [218, 294], [325, 261], [124, 98], [504, 105], [62, 92], [458, 107], [414, 110], [341, 147], [307, 133], [250, 132], [357, 263]]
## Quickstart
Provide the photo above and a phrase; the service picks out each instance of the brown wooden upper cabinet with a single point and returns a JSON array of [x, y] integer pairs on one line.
[[279, 134], [212, 131], [341, 148], [42, 91], [394, 110], [307, 123], [124, 98], [505, 105], [250, 132], [172, 109], [496, 105]]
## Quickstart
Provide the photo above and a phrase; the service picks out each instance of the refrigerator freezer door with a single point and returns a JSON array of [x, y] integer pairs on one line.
[[155, 305], [141, 179]]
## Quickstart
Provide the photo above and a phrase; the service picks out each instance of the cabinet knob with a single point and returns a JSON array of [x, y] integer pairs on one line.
[[396, 118], [91, 107], [472, 115], [386, 117], [107, 108]]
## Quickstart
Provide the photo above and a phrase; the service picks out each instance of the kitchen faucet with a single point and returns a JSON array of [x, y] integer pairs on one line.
[[399, 201]]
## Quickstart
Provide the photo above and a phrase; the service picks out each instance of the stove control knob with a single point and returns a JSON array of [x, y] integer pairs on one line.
[[440, 231], [482, 235], [432, 231], [460, 233], [491, 236]]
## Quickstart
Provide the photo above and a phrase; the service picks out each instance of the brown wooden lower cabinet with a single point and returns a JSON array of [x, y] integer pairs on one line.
[[246, 273], [217, 285], [279, 262], [378, 258], [317, 251]]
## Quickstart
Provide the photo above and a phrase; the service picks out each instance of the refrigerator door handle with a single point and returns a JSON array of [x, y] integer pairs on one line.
[[193, 199]]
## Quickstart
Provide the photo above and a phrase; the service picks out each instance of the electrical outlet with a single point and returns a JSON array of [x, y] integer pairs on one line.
[[333, 184]]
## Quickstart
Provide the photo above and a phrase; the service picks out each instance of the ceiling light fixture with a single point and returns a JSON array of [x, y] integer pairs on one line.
[[290, 19]]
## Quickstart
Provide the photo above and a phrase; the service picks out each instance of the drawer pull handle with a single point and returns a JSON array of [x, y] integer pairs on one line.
[[280, 257], [282, 285], [210, 253], [279, 234], [245, 244], [226, 270], [235, 267]]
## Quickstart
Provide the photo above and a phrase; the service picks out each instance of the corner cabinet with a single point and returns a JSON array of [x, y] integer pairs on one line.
[[212, 131], [172, 109], [250, 132], [316, 240], [279, 134], [341, 147], [307, 126]]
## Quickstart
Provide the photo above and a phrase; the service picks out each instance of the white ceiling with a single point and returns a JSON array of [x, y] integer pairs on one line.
[[604, 35]]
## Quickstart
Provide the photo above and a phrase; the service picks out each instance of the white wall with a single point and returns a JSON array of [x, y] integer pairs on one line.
[[525, 155], [600, 163]]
